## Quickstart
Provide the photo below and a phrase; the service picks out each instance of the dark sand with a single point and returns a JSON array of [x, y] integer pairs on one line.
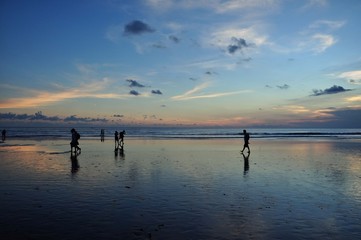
[[181, 189]]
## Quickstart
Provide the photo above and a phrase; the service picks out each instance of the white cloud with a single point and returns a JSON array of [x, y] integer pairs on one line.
[[321, 42], [223, 37], [236, 5], [353, 77], [191, 94], [213, 64], [354, 99], [330, 25], [96, 89], [218, 6], [315, 3]]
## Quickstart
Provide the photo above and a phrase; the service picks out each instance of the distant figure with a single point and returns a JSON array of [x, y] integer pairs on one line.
[[246, 141], [102, 135], [3, 135], [75, 136], [121, 138], [116, 140]]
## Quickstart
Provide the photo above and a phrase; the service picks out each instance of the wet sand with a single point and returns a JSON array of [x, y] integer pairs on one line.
[[181, 189]]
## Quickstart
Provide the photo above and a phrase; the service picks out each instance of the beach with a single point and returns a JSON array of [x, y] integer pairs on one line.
[[181, 189]]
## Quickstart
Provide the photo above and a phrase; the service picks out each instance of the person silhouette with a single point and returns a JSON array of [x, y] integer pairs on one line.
[[3, 135], [121, 138], [246, 141], [75, 136], [116, 140], [102, 135]]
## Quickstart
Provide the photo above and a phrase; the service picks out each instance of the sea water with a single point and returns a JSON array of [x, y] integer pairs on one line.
[[183, 132]]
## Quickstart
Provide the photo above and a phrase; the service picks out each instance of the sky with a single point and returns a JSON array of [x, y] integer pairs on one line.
[[247, 63]]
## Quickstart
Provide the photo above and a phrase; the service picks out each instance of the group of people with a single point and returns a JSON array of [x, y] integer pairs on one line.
[[119, 140], [75, 136]]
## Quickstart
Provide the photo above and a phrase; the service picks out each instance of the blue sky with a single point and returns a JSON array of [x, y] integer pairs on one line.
[[167, 62]]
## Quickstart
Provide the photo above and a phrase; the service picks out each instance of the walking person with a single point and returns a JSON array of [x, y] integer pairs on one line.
[[246, 141], [121, 138], [75, 136], [116, 140]]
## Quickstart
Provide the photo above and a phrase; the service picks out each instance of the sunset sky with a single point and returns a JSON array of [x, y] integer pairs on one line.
[[181, 62]]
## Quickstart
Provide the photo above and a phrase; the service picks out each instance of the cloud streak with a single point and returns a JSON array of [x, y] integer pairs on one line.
[[353, 77], [43, 98], [191, 94], [218, 6]]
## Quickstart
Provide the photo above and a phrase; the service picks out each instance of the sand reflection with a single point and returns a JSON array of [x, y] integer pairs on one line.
[[184, 189]]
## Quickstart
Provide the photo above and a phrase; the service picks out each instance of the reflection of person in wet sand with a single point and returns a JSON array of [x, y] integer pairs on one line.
[[246, 162], [74, 163], [120, 153], [246, 141]]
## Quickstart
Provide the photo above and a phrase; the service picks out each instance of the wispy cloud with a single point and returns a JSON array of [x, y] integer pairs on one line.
[[319, 34], [315, 3], [317, 37], [196, 94], [354, 99], [321, 42], [353, 77], [240, 37], [218, 6], [43, 98], [328, 24]]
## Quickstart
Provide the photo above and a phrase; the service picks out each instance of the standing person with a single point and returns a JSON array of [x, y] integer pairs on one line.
[[3, 135], [102, 135], [75, 136], [116, 140], [121, 138], [246, 141]]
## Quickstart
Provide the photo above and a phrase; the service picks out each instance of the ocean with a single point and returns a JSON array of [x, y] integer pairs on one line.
[[181, 132]]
